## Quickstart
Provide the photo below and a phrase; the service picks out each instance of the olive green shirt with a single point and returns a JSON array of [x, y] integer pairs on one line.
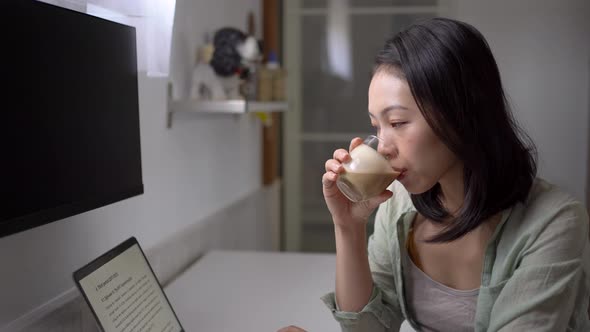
[[535, 276]]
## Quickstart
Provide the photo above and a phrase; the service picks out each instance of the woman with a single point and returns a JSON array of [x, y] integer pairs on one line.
[[467, 239]]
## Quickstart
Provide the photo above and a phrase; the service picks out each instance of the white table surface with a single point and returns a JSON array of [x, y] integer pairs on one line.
[[255, 291]]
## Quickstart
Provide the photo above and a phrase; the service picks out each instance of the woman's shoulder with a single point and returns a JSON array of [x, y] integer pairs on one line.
[[548, 208], [547, 201]]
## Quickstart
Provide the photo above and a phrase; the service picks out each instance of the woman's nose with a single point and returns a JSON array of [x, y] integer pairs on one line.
[[386, 149]]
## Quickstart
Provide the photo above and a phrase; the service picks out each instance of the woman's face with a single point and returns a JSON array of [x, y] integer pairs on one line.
[[407, 139]]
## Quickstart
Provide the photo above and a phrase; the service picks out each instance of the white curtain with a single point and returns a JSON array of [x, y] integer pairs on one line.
[[339, 39]]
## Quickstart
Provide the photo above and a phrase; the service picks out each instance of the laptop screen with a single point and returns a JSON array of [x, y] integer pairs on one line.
[[124, 294]]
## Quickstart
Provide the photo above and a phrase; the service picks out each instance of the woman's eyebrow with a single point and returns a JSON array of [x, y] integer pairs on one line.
[[389, 109]]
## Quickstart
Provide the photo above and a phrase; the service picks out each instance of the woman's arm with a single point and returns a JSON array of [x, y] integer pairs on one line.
[[353, 276], [359, 303]]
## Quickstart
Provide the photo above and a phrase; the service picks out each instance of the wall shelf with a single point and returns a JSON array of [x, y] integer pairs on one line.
[[238, 106]]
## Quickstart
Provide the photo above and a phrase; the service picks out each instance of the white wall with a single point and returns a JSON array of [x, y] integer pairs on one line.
[[542, 48], [196, 168]]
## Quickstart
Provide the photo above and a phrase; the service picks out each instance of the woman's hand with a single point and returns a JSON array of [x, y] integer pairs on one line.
[[344, 212], [291, 328]]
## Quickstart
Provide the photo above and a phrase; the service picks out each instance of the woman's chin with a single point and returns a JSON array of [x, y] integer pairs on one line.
[[414, 187]]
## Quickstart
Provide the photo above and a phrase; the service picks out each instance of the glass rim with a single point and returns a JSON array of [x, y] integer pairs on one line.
[[374, 136], [373, 141]]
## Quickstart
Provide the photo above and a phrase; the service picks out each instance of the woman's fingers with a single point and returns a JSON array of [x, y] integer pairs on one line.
[[341, 155], [333, 168], [355, 142], [329, 179], [333, 165]]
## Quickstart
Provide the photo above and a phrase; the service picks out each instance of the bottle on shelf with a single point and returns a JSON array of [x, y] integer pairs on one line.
[[271, 82]]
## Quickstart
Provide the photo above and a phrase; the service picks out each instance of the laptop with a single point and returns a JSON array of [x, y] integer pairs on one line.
[[124, 294]]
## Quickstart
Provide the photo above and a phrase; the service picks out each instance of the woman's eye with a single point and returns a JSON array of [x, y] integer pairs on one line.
[[397, 124]]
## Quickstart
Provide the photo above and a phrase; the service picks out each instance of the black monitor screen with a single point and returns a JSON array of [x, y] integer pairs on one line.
[[69, 130]]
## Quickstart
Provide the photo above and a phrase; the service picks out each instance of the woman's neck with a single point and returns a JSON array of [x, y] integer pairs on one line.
[[453, 190]]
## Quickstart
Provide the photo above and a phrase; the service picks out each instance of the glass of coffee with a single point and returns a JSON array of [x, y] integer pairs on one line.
[[367, 174]]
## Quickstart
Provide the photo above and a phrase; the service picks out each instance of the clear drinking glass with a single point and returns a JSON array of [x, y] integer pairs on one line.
[[367, 174]]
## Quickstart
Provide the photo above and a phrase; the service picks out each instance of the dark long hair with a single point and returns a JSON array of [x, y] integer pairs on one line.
[[455, 81]]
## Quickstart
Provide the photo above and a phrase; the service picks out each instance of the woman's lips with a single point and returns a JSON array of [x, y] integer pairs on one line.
[[402, 173]]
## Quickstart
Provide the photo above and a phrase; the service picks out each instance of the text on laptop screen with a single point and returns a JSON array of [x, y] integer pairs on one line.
[[126, 296]]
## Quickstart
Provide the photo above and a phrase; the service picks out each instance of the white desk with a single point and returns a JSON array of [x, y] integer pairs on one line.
[[255, 291]]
